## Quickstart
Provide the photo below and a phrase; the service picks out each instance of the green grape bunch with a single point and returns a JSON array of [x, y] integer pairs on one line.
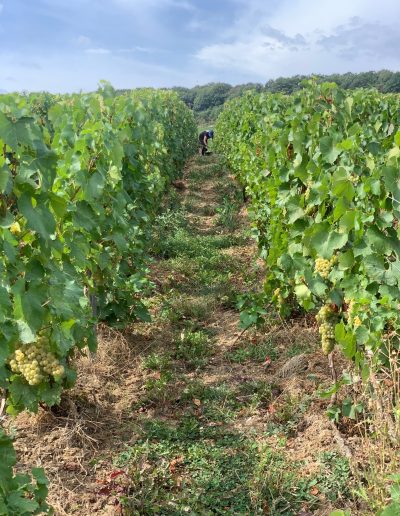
[[352, 317], [327, 319], [323, 266], [308, 190], [280, 300], [36, 363]]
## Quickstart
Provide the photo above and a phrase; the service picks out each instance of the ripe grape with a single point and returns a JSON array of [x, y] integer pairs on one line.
[[323, 266], [352, 318], [278, 298], [326, 318], [36, 363], [15, 228]]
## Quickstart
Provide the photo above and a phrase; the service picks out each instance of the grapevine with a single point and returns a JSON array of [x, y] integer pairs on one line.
[[81, 179], [322, 178]]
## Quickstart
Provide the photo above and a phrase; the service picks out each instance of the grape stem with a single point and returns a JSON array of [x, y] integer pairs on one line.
[[331, 363], [241, 334], [2, 407]]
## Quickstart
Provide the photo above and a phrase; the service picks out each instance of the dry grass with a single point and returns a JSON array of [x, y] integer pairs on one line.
[[89, 422], [377, 458]]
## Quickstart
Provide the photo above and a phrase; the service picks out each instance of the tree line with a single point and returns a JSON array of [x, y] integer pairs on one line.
[[207, 100]]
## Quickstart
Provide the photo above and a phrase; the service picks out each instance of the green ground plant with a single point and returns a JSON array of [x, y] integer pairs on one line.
[[199, 457]]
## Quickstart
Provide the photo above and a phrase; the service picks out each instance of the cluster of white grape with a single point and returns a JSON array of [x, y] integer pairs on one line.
[[311, 210], [323, 266], [34, 362], [308, 190], [352, 319], [279, 298], [15, 228], [326, 319]]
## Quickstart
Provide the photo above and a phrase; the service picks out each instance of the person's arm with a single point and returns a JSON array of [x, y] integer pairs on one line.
[[205, 139]]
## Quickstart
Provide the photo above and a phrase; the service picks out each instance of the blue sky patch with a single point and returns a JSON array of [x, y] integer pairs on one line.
[[70, 45]]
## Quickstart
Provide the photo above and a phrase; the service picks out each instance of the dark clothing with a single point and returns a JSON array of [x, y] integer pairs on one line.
[[203, 146], [202, 135]]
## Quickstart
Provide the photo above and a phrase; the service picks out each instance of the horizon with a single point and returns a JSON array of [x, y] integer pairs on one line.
[[65, 46]]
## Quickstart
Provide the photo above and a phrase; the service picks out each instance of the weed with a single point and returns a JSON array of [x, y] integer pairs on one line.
[[226, 294], [228, 214], [166, 224], [156, 362], [298, 348], [334, 479], [289, 411], [179, 309], [184, 243], [257, 351], [207, 210], [193, 347], [218, 403], [206, 167], [258, 391], [193, 469], [379, 430], [157, 387], [277, 488]]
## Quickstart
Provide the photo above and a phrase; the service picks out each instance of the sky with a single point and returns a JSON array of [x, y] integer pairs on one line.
[[71, 45]]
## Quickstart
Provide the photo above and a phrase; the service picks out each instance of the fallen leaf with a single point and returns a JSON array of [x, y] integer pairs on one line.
[[71, 466], [175, 463], [117, 473], [215, 423], [197, 402], [105, 491], [145, 467], [314, 490]]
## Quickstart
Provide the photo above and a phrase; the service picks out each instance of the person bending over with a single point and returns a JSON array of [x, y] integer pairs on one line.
[[203, 140]]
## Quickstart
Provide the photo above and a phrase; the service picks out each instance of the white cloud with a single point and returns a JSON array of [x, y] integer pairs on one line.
[[99, 51], [146, 50], [137, 48], [358, 39], [83, 40], [304, 36]]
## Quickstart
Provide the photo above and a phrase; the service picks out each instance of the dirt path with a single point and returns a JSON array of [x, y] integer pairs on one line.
[[187, 414]]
